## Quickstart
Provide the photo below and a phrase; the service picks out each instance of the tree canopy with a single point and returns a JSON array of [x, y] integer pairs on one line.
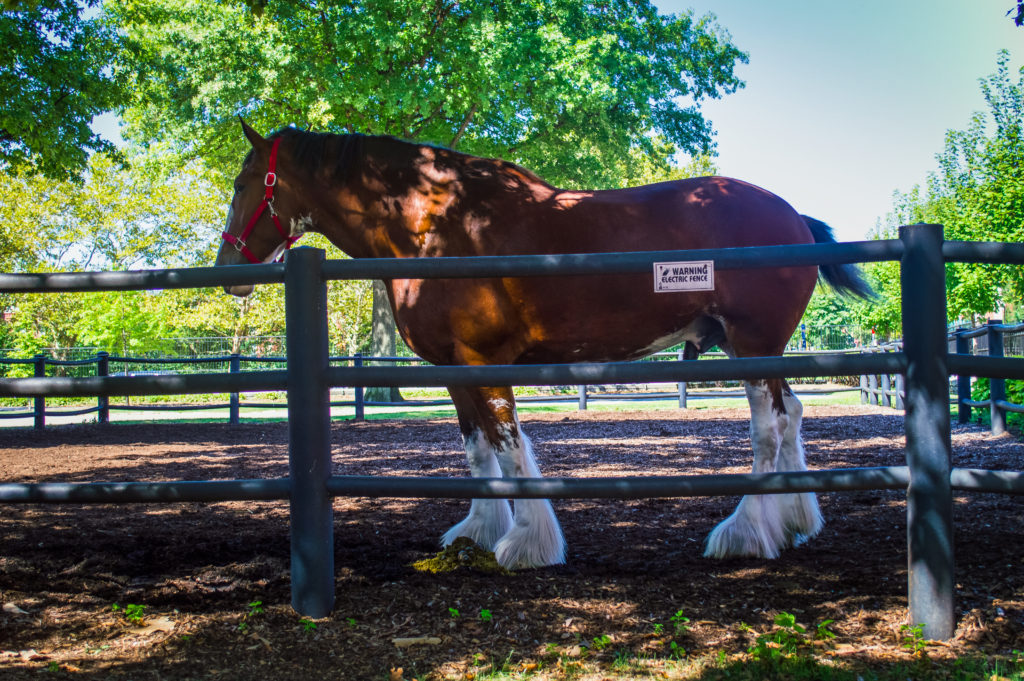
[[55, 77], [594, 94], [977, 193], [566, 88]]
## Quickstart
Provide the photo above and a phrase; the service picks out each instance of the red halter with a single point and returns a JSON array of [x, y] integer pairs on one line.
[[266, 204]]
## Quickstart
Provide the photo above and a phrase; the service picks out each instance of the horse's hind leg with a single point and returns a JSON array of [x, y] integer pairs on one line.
[[496, 446], [758, 525], [800, 513]]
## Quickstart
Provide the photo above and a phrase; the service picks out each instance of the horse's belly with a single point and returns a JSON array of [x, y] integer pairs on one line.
[[598, 318], [578, 319], [619, 318]]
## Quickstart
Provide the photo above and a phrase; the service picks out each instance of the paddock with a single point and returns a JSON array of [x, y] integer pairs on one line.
[[930, 480], [632, 564]]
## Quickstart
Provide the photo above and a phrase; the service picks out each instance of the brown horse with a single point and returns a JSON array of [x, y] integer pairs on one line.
[[383, 197]]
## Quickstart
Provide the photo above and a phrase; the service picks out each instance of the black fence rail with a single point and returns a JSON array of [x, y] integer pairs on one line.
[[995, 335], [103, 364], [995, 339], [928, 477]]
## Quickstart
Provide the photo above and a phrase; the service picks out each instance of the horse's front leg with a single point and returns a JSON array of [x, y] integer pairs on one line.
[[758, 526], [495, 446]]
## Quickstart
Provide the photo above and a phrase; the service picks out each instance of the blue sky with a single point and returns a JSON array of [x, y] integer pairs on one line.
[[847, 102]]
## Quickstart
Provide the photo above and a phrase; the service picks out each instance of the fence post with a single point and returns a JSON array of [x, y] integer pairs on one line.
[[357, 361], [309, 417], [682, 384], [583, 398], [901, 390], [863, 389], [997, 386], [103, 401], [873, 390], [39, 411], [235, 366], [928, 445], [886, 394], [963, 383]]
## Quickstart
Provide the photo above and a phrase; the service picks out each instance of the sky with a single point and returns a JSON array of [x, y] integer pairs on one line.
[[848, 102]]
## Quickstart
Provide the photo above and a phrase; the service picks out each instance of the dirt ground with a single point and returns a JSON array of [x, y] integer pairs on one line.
[[213, 580]]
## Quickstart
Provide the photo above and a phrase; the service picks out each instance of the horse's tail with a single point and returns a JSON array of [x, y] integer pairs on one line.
[[846, 279]]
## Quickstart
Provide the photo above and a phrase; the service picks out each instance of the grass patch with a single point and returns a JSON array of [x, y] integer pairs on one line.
[[622, 665]]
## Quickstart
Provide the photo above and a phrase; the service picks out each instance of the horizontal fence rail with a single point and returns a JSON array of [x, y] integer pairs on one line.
[[476, 267], [888, 389], [832, 480], [440, 376], [102, 361], [994, 334], [928, 478]]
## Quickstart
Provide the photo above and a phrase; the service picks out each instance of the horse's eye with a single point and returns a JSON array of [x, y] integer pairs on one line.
[[239, 188]]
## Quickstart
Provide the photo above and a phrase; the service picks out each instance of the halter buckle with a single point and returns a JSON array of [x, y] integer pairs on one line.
[[270, 180]]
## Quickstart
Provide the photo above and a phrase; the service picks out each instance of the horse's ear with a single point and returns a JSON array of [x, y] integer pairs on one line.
[[255, 139]]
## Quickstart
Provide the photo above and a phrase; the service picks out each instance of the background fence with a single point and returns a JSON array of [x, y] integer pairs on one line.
[[928, 477], [995, 339], [103, 364]]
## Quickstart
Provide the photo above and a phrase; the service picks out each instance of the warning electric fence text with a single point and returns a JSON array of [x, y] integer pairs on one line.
[[698, 275]]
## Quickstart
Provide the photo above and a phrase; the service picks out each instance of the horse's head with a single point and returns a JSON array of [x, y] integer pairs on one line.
[[263, 220]]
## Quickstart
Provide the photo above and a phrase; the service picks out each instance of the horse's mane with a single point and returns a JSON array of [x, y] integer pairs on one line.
[[322, 152], [337, 155]]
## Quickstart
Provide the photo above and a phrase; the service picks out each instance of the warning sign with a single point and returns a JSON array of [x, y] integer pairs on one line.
[[698, 275]]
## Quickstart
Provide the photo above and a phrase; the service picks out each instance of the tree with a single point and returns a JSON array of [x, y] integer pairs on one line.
[[1018, 14], [586, 94], [54, 78], [568, 89], [644, 169], [978, 194], [115, 218], [127, 323]]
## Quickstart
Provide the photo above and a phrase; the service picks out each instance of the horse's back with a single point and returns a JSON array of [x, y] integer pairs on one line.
[[694, 213]]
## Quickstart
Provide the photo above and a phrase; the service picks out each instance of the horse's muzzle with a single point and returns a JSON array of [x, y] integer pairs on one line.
[[240, 290]]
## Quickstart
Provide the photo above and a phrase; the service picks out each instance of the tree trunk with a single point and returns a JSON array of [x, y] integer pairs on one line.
[[240, 325], [382, 341]]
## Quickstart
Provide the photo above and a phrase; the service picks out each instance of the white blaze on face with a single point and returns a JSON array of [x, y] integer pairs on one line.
[[300, 226], [275, 254], [240, 290]]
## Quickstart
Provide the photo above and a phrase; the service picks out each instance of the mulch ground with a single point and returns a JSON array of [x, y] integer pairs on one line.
[[213, 580]]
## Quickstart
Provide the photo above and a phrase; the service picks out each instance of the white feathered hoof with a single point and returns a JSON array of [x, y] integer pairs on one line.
[[535, 539], [488, 521], [801, 516], [755, 530]]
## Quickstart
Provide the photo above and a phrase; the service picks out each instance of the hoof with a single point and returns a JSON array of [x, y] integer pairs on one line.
[[535, 540], [753, 530], [801, 516], [488, 521]]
